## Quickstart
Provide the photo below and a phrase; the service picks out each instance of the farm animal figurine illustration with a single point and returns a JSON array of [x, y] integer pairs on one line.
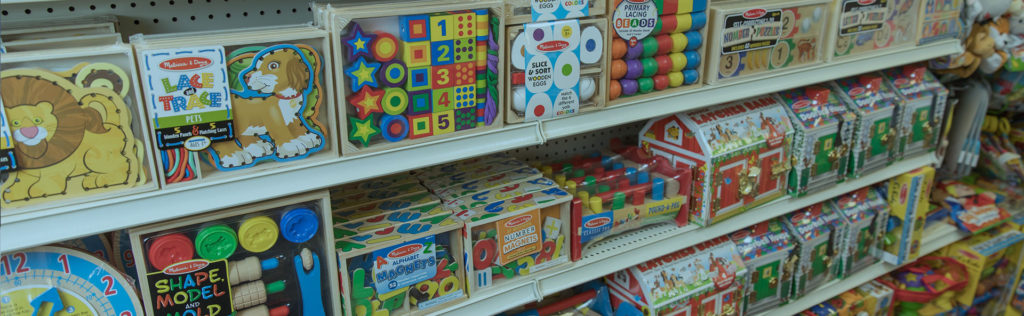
[[275, 106], [72, 133]]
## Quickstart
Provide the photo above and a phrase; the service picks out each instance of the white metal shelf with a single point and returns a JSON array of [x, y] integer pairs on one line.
[[632, 248], [57, 224]]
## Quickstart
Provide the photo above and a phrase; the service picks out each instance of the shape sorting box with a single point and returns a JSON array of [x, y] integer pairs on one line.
[[907, 195], [767, 252], [876, 133], [270, 257], [924, 99], [706, 279], [859, 212], [70, 128], [822, 140], [739, 152], [817, 232], [412, 73], [510, 238], [861, 28], [779, 34], [400, 262], [938, 20]]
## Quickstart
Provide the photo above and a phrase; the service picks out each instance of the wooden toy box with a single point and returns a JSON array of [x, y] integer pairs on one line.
[[739, 151], [706, 279], [939, 20], [814, 230], [924, 100], [656, 48], [420, 202], [766, 249], [907, 195], [863, 229], [71, 130], [415, 72], [876, 136], [342, 200], [822, 139], [211, 108], [747, 41], [867, 28], [526, 11], [269, 257], [467, 170]]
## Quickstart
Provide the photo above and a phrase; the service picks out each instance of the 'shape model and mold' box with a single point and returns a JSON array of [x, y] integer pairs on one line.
[[814, 230], [876, 136], [228, 100], [924, 103], [822, 138], [739, 152], [864, 229], [71, 128], [748, 39], [267, 258], [656, 47], [939, 20], [907, 195], [400, 262], [706, 279], [410, 73], [861, 28], [766, 249]]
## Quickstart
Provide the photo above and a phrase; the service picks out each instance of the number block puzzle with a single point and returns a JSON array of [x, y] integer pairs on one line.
[[414, 28], [441, 28], [421, 125], [465, 96], [442, 52], [465, 118], [442, 99], [464, 73], [419, 102], [465, 25], [442, 76], [416, 54], [419, 79], [443, 122], [465, 50]]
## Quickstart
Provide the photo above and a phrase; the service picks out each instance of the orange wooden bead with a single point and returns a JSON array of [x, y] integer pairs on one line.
[[618, 48], [614, 90], [618, 68]]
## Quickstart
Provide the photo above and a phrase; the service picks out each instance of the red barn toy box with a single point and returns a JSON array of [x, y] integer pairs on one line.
[[740, 152]]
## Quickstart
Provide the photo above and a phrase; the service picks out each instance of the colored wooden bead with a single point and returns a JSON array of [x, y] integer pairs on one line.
[[394, 127], [395, 101], [618, 69], [385, 47], [634, 52], [618, 48], [675, 79], [357, 43], [650, 67], [664, 64], [614, 90], [645, 85], [366, 101], [650, 46], [629, 86], [394, 73], [413, 28], [678, 61], [362, 130], [660, 82], [361, 74], [692, 59], [633, 69], [665, 43], [690, 76]]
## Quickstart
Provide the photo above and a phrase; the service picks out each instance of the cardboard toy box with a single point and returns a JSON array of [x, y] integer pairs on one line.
[[749, 39], [767, 252], [939, 20], [878, 298], [267, 258], [865, 28], [989, 270], [875, 136], [907, 195], [1015, 291], [818, 238], [864, 229], [822, 138], [924, 104], [706, 279], [739, 152]]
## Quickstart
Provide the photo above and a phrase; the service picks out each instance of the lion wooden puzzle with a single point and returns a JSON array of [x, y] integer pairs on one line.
[[74, 129]]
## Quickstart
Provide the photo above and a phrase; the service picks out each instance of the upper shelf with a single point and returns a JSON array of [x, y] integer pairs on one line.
[[53, 225]]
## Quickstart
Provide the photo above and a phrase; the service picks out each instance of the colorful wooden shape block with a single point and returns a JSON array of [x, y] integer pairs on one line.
[[442, 52], [441, 100], [362, 130], [482, 23], [464, 73], [421, 125], [413, 28], [357, 43], [465, 25], [366, 102], [394, 127], [395, 101], [442, 76], [465, 96], [361, 73], [441, 27], [394, 73], [465, 118], [416, 54], [465, 50], [419, 102], [444, 122], [385, 47], [419, 79]]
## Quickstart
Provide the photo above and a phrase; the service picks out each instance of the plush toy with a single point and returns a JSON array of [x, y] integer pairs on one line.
[[978, 47]]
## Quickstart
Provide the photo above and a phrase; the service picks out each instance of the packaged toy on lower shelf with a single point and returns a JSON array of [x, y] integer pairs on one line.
[[1015, 292], [878, 298], [822, 139], [817, 238], [864, 228], [767, 252], [267, 258], [588, 299], [920, 119], [706, 279], [907, 195], [865, 28], [875, 132], [927, 286], [989, 269], [973, 210]]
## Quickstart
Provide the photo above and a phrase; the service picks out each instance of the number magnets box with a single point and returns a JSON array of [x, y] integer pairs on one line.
[[706, 279], [822, 138], [409, 73], [71, 130], [818, 238], [939, 20], [767, 252], [739, 151], [267, 258], [780, 34], [924, 99], [869, 27], [656, 48], [875, 131], [230, 100], [907, 195]]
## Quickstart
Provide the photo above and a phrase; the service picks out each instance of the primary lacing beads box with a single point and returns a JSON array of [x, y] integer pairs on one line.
[[823, 138], [767, 36], [924, 104], [71, 130], [656, 48], [814, 229], [875, 137], [706, 279], [864, 229], [866, 28], [410, 73], [267, 258], [739, 152], [230, 100], [400, 262], [767, 252]]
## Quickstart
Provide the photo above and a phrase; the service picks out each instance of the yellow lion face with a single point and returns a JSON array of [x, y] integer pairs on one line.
[[31, 124]]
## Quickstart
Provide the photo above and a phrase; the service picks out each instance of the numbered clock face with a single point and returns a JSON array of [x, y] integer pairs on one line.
[[61, 281]]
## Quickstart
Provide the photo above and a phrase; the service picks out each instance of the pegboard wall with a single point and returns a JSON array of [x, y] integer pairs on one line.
[[582, 144]]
